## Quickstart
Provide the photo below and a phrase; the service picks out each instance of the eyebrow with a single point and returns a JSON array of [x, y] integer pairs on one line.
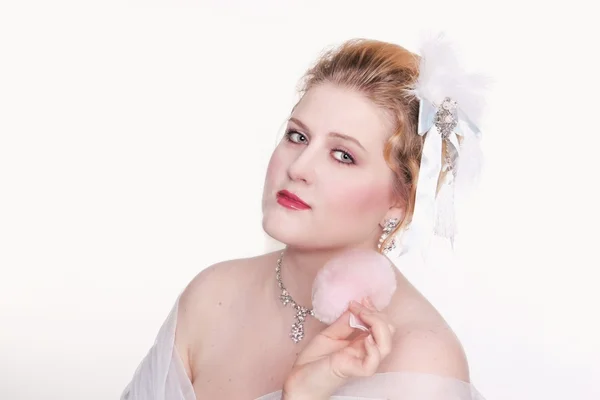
[[333, 134]]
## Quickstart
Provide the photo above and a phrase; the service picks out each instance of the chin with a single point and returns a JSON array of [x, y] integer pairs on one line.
[[294, 236], [286, 233], [276, 229], [296, 229]]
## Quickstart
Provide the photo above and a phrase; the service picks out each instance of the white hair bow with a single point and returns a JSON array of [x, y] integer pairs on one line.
[[451, 103]]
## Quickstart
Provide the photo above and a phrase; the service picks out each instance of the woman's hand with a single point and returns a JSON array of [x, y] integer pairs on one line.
[[338, 353]]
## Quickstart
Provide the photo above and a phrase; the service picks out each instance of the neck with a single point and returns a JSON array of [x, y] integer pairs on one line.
[[299, 268]]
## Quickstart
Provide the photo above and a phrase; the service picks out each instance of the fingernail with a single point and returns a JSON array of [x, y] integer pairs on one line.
[[392, 328], [355, 322]]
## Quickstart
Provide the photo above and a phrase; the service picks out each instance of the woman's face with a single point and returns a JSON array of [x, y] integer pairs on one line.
[[331, 158]]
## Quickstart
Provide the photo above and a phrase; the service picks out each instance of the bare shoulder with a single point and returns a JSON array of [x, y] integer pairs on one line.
[[215, 289], [424, 342], [220, 283], [434, 350], [209, 285], [208, 300]]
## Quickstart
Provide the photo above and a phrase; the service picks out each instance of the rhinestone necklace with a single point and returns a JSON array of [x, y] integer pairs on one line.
[[297, 332]]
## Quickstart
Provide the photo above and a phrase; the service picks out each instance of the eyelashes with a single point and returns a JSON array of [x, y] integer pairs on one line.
[[295, 134], [296, 137]]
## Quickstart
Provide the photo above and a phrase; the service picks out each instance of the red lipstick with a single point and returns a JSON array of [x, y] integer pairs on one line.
[[291, 201]]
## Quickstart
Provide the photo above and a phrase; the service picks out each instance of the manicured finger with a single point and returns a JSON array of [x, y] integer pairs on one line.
[[373, 358], [356, 307], [356, 349], [365, 365], [340, 328], [359, 309], [380, 327], [369, 304]]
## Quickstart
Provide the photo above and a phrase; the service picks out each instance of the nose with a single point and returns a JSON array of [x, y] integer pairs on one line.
[[302, 168]]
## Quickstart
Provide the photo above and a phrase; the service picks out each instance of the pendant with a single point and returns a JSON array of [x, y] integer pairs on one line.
[[297, 332]]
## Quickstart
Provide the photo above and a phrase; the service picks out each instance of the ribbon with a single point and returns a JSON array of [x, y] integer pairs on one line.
[[426, 220]]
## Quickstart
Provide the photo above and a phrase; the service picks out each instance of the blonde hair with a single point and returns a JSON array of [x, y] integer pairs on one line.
[[383, 72]]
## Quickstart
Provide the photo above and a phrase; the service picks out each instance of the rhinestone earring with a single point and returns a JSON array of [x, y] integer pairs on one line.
[[390, 225]]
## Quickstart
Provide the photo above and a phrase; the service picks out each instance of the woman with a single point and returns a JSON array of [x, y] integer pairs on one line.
[[342, 177]]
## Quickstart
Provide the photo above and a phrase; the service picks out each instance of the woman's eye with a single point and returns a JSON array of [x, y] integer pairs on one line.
[[343, 157], [296, 137]]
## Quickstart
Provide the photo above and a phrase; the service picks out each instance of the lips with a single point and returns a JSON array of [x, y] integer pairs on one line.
[[291, 201]]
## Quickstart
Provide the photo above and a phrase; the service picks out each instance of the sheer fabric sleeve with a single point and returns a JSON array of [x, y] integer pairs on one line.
[[161, 374], [402, 386]]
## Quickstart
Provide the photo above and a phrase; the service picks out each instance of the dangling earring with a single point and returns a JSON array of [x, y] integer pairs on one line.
[[390, 225]]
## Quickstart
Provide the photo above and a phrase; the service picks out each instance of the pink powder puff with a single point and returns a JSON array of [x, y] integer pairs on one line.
[[352, 275]]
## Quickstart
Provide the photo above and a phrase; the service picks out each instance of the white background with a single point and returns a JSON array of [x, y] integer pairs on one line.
[[133, 144]]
